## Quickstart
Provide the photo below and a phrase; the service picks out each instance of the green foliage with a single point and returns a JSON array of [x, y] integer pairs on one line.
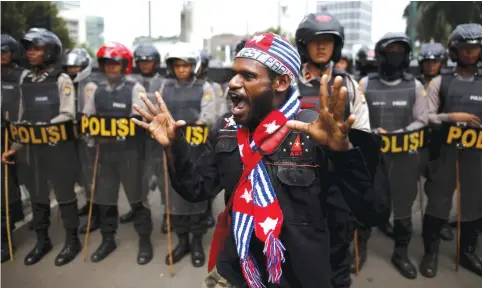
[[436, 20], [19, 16]]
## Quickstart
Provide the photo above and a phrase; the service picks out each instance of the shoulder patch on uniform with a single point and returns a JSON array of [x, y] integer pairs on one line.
[[208, 95], [220, 92], [424, 93], [67, 91]]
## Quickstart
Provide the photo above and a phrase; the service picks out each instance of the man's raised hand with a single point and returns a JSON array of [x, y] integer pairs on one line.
[[159, 121], [329, 129]]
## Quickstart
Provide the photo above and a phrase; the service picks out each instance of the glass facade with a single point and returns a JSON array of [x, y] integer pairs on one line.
[[94, 27]]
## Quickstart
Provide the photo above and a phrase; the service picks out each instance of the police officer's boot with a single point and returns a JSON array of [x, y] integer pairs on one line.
[[41, 223], [94, 220], [197, 251], [431, 243], [364, 234], [108, 227], [143, 226], [387, 229], [127, 218], [181, 250], [446, 233], [468, 243], [402, 235], [72, 244]]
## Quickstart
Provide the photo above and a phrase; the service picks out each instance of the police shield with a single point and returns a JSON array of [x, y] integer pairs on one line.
[[458, 159], [45, 141], [113, 159], [402, 153]]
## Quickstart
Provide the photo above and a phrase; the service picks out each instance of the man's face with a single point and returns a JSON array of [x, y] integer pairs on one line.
[[395, 47], [320, 48], [74, 69], [6, 58], [431, 67], [469, 53], [146, 66], [35, 54], [182, 69], [112, 69], [342, 64], [251, 92]]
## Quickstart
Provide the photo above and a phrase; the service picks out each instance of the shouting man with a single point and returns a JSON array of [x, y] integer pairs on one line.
[[276, 163]]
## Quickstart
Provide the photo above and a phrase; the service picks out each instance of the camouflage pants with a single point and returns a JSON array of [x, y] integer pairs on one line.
[[214, 280]]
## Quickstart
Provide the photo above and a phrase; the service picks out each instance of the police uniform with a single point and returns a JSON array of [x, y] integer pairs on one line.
[[49, 98], [11, 81], [191, 101], [120, 161]]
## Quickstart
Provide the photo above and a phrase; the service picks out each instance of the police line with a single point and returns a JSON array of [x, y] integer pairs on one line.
[[92, 126]]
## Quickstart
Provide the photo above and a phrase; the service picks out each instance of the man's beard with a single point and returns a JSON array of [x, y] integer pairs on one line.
[[260, 107]]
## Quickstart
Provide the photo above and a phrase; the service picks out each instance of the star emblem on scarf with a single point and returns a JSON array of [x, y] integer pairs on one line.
[[268, 225], [247, 196], [271, 127]]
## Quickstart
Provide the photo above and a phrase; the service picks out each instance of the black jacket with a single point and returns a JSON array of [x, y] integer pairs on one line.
[[302, 183]]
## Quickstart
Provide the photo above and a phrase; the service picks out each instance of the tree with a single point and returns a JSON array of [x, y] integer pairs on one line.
[[436, 20], [19, 16]]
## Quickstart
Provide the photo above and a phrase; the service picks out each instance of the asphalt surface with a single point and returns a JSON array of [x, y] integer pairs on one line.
[[120, 269]]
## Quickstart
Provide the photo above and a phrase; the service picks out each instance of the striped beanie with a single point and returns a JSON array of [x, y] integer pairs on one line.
[[273, 51]]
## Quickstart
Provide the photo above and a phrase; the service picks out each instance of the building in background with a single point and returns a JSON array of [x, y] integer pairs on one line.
[[355, 16], [66, 5], [94, 28], [71, 12]]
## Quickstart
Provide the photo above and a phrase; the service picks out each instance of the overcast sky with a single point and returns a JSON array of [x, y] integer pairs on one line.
[[222, 16]]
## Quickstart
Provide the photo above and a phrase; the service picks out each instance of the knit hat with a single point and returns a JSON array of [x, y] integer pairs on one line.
[[273, 51]]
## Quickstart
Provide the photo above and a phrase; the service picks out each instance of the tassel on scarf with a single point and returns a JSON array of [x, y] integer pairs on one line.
[[273, 249], [251, 273]]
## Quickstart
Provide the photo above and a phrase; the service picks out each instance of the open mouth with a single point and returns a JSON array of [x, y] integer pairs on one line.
[[240, 103]]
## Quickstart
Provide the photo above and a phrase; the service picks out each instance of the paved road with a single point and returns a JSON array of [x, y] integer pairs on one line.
[[121, 271]]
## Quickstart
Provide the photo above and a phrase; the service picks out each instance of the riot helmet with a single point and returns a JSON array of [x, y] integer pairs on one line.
[[147, 59], [465, 36], [77, 63], [9, 45], [346, 61], [311, 28], [431, 54], [111, 53], [190, 60], [392, 59], [50, 43]]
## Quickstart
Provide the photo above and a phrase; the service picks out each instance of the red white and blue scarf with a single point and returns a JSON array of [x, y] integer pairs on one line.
[[256, 206]]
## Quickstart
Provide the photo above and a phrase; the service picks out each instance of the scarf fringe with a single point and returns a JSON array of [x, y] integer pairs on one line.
[[273, 249], [251, 273]]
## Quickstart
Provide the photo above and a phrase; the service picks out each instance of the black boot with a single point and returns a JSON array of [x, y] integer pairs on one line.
[[468, 243], [42, 248], [94, 221], [431, 243], [446, 233], [181, 250], [108, 226], [197, 251], [127, 218], [41, 223], [72, 246], [105, 248], [402, 236], [386, 229], [145, 253]]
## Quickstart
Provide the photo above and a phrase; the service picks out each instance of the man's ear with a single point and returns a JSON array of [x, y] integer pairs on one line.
[[282, 83]]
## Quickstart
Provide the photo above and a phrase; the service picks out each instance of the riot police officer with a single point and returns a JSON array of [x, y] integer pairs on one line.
[[365, 62], [346, 61], [48, 98], [12, 77], [397, 103], [147, 60], [455, 97], [77, 63], [431, 60], [121, 160], [320, 39], [192, 100]]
